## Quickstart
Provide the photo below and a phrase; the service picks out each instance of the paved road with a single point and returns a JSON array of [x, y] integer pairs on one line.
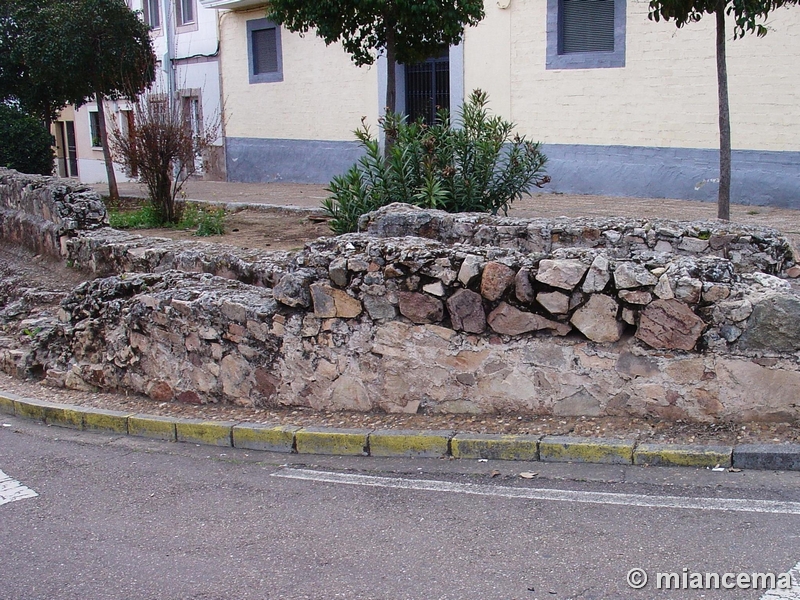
[[123, 518]]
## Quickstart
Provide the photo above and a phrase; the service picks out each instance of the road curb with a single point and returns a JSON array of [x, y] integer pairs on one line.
[[491, 446], [675, 455], [410, 444], [329, 440], [403, 443], [207, 433], [266, 438], [586, 450]]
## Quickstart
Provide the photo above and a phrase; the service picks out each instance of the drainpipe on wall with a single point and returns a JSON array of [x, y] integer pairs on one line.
[[167, 65]]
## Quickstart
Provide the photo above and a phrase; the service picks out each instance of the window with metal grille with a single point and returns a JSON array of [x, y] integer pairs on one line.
[[428, 87], [264, 51], [585, 34], [587, 26]]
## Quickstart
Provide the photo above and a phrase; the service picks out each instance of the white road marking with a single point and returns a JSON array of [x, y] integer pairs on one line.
[[722, 504], [792, 594], [12, 490]]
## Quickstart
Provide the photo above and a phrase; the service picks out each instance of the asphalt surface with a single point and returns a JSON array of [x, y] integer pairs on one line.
[[126, 518]]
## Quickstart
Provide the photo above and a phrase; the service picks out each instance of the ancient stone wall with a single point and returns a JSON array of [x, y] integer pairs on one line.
[[748, 248], [40, 213], [612, 322]]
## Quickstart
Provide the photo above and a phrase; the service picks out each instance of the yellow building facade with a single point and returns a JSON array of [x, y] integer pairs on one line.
[[626, 107]]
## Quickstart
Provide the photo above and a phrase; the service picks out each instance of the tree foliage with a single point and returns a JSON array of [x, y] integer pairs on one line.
[[407, 30], [748, 17], [59, 52], [27, 145]]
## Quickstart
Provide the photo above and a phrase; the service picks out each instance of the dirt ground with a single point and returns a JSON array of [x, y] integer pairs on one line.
[[251, 228], [256, 229]]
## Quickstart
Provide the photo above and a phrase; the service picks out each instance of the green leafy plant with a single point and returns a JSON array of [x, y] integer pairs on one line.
[[142, 218], [479, 166], [212, 222], [192, 214]]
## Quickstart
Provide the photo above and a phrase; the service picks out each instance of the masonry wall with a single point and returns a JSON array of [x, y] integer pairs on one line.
[[617, 317]]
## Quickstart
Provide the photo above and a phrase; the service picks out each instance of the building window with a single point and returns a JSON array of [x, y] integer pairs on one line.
[[152, 15], [94, 129], [585, 34], [184, 9], [264, 51]]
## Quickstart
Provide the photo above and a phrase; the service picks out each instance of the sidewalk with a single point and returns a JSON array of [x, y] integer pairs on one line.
[[538, 205]]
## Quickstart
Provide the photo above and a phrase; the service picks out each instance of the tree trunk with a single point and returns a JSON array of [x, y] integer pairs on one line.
[[113, 191], [724, 200], [391, 70]]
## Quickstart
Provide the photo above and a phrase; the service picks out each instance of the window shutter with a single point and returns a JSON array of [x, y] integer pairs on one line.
[[265, 51], [587, 26]]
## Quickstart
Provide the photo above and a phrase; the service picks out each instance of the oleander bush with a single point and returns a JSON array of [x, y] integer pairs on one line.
[[476, 165]]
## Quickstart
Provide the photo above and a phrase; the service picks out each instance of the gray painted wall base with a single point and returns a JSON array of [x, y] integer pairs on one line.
[[253, 160], [759, 178]]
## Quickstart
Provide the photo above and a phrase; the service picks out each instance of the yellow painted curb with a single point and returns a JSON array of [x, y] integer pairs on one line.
[[6, 405], [153, 427], [210, 433], [65, 416], [324, 440], [32, 409], [495, 447], [586, 450], [111, 421], [267, 438], [683, 456], [421, 444]]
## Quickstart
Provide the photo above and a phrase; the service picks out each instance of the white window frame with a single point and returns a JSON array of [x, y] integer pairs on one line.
[[182, 25], [148, 15], [92, 127]]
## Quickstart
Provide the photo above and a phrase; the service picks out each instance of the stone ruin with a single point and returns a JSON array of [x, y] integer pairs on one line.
[[431, 312]]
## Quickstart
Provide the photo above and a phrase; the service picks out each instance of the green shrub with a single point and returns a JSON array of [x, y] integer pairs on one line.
[[190, 217], [477, 166], [212, 222], [142, 218], [26, 145], [206, 222]]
